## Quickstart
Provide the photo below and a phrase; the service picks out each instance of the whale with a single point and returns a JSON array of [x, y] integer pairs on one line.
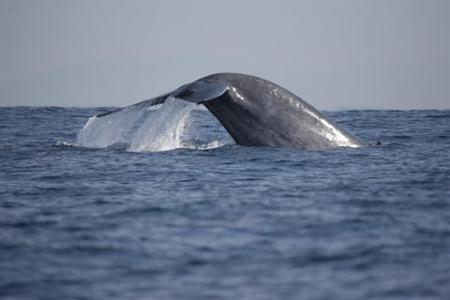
[[258, 112]]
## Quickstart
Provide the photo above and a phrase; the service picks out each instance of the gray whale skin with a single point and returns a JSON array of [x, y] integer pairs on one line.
[[257, 112]]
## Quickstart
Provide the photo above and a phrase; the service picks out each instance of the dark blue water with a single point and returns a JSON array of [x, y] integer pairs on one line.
[[226, 223]]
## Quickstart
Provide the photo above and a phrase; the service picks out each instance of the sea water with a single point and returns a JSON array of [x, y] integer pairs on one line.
[[168, 207]]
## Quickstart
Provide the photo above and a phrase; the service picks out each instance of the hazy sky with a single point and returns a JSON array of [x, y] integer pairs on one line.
[[333, 54]]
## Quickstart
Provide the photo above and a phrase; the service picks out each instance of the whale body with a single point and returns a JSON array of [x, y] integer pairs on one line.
[[257, 112]]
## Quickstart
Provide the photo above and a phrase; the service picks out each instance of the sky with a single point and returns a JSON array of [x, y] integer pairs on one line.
[[334, 54]]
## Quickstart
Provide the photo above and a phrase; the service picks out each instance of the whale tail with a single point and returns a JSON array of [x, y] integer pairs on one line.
[[257, 112]]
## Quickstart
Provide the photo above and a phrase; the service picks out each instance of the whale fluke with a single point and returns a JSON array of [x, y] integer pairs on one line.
[[257, 112]]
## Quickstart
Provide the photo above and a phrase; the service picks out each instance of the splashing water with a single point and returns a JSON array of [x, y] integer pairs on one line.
[[174, 124]]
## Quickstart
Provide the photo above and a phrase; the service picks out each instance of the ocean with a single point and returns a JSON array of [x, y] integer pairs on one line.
[[190, 215]]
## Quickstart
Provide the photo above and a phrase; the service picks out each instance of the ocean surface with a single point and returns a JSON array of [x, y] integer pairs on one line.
[[100, 216]]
